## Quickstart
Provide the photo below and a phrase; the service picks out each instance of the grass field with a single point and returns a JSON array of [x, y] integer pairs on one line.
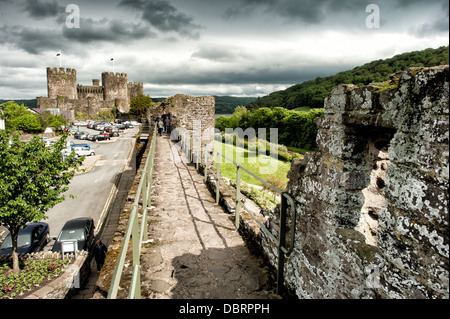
[[305, 109], [263, 166]]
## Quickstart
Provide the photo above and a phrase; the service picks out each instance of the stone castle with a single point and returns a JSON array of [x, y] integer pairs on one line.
[[66, 95]]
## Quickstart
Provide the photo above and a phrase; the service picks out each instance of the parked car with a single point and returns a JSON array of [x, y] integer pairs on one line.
[[80, 150], [102, 137], [111, 133], [31, 239], [80, 135], [91, 137], [80, 230]]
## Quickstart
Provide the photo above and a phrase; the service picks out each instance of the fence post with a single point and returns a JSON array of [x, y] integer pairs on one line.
[[217, 179], [281, 243], [135, 237], [238, 196], [191, 146], [145, 198], [206, 165]]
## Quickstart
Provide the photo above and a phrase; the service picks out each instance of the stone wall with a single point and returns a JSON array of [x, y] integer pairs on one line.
[[195, 114], [372, 202]]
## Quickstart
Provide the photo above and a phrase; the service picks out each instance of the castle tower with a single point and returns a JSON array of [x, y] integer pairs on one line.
[[135, 89], [115, 86], [62, 82]]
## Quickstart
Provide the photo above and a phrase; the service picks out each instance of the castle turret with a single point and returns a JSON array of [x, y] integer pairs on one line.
[[62, 82], [115, 86]]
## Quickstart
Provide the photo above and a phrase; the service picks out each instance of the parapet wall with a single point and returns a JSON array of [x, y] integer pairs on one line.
[[195, 114], [372, 203]]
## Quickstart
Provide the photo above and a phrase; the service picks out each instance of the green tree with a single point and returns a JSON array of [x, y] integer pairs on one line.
[[18, 117], [222, 123], [140, 104], [33, 179], [27, 122]]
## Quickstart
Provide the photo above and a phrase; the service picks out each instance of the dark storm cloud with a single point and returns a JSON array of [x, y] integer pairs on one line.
[[220, 54], [32, 40], [36, 40], [307, 11], [240, 75], [107, 30], [164, 17], [438, 26], [40, 10]]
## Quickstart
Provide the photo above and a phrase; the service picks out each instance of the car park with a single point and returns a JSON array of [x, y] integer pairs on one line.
[[79, 231], [31, 239]]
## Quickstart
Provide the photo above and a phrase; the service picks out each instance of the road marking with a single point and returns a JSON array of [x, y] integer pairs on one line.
[[99, 179], [111, 162]]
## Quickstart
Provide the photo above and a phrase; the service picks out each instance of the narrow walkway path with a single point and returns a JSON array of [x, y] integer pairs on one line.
[[193, 249]]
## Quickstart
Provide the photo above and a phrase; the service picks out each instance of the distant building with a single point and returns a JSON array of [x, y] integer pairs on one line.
[[71, 98]]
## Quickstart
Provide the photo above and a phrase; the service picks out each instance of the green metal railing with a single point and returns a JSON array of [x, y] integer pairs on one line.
[[196, 155], [136, 233]]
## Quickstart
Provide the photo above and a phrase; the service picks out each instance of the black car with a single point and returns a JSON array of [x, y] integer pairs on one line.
[[101, 137], [31, 239], [80, 230]]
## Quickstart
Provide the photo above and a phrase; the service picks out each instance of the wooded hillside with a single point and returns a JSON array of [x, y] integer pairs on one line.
[[312, 93]]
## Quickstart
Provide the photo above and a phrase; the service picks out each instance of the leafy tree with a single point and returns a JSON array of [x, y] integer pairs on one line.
[[50, 120], [140, 104], [27, 122], [222, 123], [33, 179], [18, 117]]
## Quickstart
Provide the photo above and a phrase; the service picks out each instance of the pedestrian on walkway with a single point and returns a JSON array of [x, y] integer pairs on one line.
[[167, 125], [100, 254], [160, 127]]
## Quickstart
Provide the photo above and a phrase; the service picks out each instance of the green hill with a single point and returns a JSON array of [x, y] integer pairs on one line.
[[227, 104], [312, 93]]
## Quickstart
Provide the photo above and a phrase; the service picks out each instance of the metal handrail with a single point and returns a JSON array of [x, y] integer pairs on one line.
[[134, 232], [187, 147]]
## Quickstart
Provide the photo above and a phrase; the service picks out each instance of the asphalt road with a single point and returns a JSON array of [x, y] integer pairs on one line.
[[92, 189]]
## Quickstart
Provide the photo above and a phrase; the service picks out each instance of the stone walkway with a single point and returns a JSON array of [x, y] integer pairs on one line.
[[193, 250]]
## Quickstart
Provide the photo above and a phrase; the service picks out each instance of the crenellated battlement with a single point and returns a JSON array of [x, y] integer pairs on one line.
[[135, 84], [89, 89], [61, 71], [117, 75]]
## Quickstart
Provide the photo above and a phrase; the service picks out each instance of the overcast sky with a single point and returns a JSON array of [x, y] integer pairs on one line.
[[208, 47]]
